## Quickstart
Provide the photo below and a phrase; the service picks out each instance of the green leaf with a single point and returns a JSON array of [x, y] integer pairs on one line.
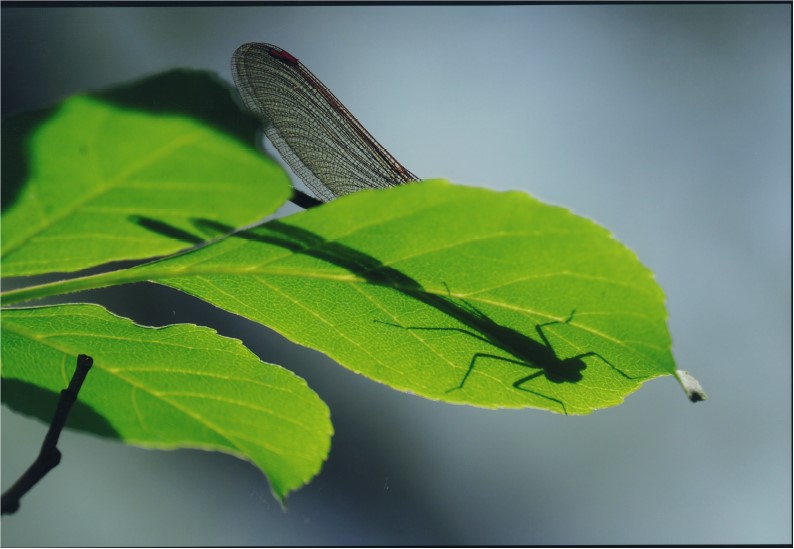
[[180, 386], [408, 286], [123, 174]]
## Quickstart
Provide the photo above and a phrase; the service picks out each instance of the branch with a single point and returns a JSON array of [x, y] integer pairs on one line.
[[49, 456]]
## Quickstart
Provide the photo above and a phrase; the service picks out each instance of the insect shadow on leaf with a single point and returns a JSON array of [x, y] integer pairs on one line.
[[525, 351], [521, 349]]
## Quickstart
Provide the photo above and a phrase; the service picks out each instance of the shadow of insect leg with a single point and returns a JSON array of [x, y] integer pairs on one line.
[[539, 328], [435, 329], [462, 331], [495, 357], [608, 363], [518, 385]]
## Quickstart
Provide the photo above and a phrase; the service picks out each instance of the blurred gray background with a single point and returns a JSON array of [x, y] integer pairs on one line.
[[668, 124]]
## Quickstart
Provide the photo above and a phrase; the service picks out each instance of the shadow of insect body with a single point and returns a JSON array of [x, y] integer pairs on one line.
[[525, 351]]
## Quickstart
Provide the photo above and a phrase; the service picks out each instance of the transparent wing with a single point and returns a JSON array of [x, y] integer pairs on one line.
[[315, 134]]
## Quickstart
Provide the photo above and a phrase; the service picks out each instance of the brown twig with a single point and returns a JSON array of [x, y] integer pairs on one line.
[[49, 456]]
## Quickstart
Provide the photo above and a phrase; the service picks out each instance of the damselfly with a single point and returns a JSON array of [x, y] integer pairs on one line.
[[316, 135]]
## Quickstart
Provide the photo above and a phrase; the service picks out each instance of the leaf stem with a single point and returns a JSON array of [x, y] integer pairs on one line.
[[90, 282]]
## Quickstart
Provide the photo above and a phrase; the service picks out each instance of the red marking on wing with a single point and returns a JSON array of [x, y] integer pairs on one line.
[[281, 55]]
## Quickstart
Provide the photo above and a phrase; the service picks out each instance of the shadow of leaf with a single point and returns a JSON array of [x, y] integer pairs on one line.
[[199, 95], [17, 131], [34, 401]]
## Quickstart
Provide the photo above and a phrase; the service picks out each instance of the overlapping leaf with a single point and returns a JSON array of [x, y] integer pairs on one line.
[[121, 174], [408, 286], [171, 387], [455, 294]]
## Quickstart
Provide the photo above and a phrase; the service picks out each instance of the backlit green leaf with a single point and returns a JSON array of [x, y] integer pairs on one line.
[[408, 286], [123, 174], [180, 386]]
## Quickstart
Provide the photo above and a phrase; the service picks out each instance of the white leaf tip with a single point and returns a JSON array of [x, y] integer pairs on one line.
[[694, 391]]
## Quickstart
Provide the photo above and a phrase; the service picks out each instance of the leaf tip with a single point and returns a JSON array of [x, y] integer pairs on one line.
[[694, 391]]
